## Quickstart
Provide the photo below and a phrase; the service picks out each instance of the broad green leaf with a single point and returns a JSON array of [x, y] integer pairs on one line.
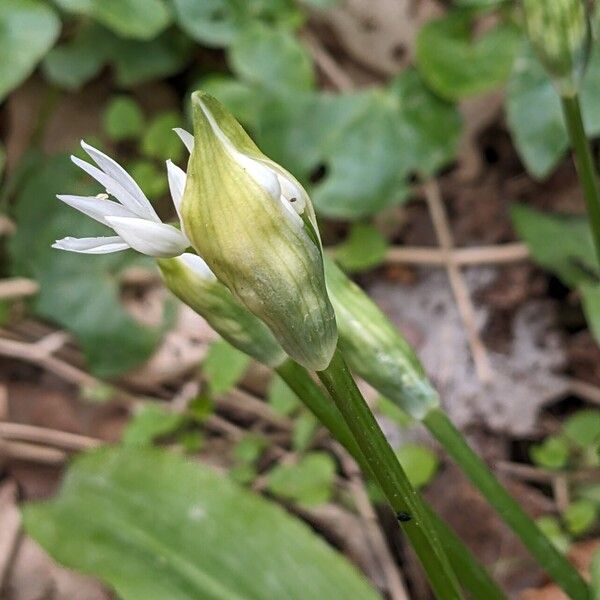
[[580, 517], [560, 243], [224, 366], [306, 426], [272, 59], [308, 482], [456, 64], [160, 141], [140, 19], [281, 398], [151, 422], [250, 448], [535, 115], [78, 292], [363, 249], [419, 463], [28, 29], [149, 177], [153, 525], [123, 119], [583, 428], [552, 529], [552, 453]]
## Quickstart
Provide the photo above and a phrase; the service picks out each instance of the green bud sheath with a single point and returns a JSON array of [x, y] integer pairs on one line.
[[560, 32], [254, 225], [375, 349], [201, 291]]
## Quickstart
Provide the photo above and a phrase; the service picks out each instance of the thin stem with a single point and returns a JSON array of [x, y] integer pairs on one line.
[[585, 164], [472, 576], [391, 478], [553, 562]]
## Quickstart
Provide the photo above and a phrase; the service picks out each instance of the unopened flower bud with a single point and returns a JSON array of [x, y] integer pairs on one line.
[[375, 349], [560, 32], [190, 279], [255, 227]]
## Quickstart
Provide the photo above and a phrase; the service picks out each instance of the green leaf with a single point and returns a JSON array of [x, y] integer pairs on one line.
[[224, 366], [595, 575], [590, 299], [309, 482], [535, 115], [123, 119], [79, 293], [250, 448], [153, 525], [272, 59], [140, 19], [363, 249], [456, 64], [552, 529], [151, 422], [419, 463], [281, 398], [590, 492], [561, 244], [306, 426], [580, 516], [160, 141], [552, 453], [583, 428], [28, 29], [150, 178]]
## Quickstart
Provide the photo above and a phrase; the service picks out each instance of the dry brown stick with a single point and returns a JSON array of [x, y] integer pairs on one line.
[[10, 528], [587, 391], [17, 287], [459, 287], [47, 437], [505, 253], [560, 491], [536, 474], [395, 584], [32, 453]]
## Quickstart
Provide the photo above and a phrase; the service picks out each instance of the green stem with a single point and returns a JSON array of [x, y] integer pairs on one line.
[[554, 563], [585, 164], [390, 476], [472, 576]]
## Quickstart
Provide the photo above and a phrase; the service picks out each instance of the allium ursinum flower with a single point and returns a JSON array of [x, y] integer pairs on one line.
[[560, 32], [191, 280], [132, 218], [255, 227], [375, 349]]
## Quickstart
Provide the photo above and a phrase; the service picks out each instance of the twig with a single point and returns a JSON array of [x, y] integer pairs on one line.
[[10, 526], [585, 390], [560, 491], [395, 584], [459, 288], [32, 453], [505, 253], [536, 474], [47, 437], [17, 287]]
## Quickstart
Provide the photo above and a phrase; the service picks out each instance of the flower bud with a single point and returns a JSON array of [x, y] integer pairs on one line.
[[255, 227], [190, 279], [375, 349], [560, 32]]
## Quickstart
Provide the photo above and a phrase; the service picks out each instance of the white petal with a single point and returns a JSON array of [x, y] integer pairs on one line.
[[291, 192], [91, 245], [154, 239], [186, 137], [177, 179], [197, 264], [97, 208]]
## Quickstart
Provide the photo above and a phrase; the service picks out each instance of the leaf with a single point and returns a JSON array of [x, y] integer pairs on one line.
[[224, 366], [28, 29], [457, 65], [140, 19], [306, 426], [153, 525], [79, 293], [309, 482], [281, 398], [363, 249], [552, 453], [595, 575], [160, 141], [123, 119], [590, 299], [272, 59], [150, 423], [583, 428], [535, 115], [551, 528], [419, 463], [250, 448], [580, 517]]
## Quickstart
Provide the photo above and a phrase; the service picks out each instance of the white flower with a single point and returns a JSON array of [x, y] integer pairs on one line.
[[133, 218]]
